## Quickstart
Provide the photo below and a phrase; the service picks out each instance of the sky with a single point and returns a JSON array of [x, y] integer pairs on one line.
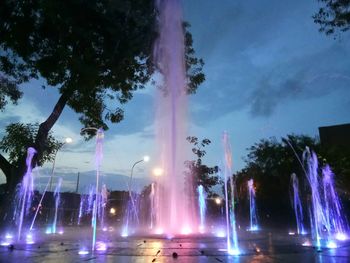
[[269, 72]]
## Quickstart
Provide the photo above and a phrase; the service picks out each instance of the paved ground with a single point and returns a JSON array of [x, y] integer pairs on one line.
[[264, 246]]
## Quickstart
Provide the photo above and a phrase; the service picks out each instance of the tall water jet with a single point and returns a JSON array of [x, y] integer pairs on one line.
[[317, 217], [25, 192], [231, 231], [296, 204], [252, 206], [102, 206], [335, 218], [153, 203], [57, 203], [202, 206], [98, 162], [173, 213]]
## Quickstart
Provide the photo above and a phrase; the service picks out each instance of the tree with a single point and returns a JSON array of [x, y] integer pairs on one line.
[[333, 16], [19, 135], [95, 53], [270, 162], [199, 173]]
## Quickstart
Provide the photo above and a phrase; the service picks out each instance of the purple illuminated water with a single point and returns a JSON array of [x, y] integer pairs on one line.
[[327, 220], [296, 203], [174, 215], [57, 203], [202, 206], [231, 228], [252, 206], [24, 193]]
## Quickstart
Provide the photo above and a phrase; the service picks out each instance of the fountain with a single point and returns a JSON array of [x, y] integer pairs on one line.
[[24, 193], [231, 231], [326, 219], [202, 206], [174, 215], [252, 207], [335, 221], [57, 202], [296, 204], [98, 162], [102, 206]]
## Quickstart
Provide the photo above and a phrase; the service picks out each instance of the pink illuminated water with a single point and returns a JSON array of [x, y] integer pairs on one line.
[[173, 203]]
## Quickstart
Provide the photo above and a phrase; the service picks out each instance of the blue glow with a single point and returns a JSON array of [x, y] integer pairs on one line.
[[331, 244]]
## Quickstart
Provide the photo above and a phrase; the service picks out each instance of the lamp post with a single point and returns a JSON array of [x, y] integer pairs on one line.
[[144, 159], [66, 141]]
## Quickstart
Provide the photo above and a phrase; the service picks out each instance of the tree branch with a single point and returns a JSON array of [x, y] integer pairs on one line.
[[47, 125]]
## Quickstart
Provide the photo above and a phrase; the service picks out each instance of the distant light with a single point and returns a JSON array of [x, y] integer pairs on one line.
[[341, 236], [331, 244], [218, 200], [146, 158], [60, 232], [5, 243], [83, 252], [257, 250], [158, 171], [112, 211], [68, 140], [303, 233], [104, 229], [291, 233]]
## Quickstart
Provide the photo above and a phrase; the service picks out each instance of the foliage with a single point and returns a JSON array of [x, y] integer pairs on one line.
[[19, 136], [8, 91], [96, 52], [333, 16], [199, 173]]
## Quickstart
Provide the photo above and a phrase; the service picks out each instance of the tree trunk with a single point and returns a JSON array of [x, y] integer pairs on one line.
[[15, 175]]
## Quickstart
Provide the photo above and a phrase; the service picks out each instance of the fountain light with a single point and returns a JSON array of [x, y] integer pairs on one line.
[[29, 239], [83, 251], [186, 230], [159, 231], [5, 243], [101, 246], [341, 236], [8, 236], [234, 252], [221, 233], [331, 244], [306, 244]]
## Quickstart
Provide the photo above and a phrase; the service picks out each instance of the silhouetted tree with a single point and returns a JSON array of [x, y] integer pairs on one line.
[[333, 16], [95, 53], [199, 173]]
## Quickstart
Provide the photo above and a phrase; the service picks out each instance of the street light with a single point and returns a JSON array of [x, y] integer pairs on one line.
[[67, 140], [144, 159], [218, 200]]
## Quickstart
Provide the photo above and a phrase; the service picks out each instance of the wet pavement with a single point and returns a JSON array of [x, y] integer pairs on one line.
[[262, 246]]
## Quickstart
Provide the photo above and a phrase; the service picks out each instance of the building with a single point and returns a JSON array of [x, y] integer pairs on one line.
[[335, 136]]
